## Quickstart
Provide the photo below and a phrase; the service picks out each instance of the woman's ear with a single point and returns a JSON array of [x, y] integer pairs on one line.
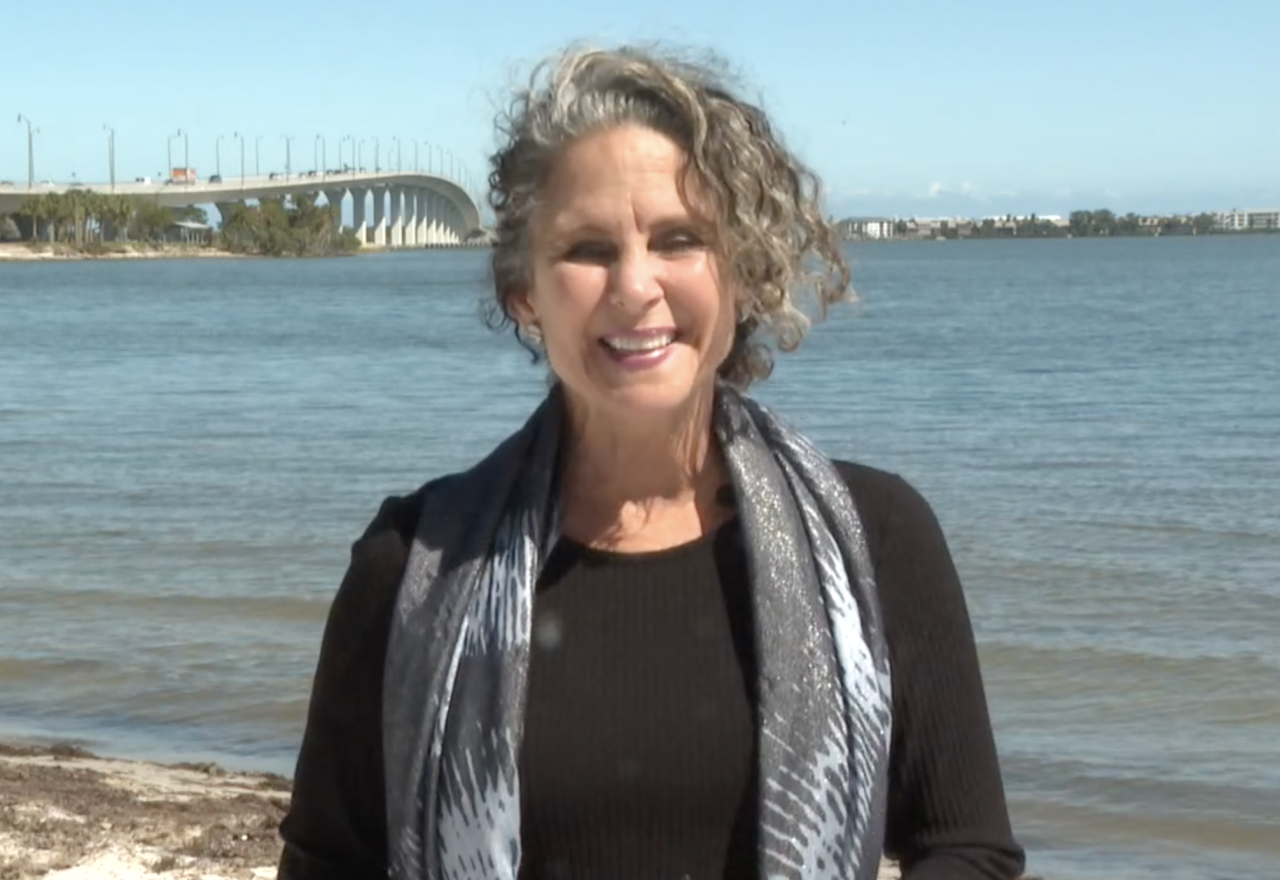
[[520, 308]]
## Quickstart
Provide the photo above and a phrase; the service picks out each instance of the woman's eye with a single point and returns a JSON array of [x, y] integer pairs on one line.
[[678, 241], [589, 252]]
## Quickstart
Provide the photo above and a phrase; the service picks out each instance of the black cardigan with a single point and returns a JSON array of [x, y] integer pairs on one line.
[[947, 814]]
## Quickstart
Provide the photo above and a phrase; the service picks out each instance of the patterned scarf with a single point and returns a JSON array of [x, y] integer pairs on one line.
[[457, 660]]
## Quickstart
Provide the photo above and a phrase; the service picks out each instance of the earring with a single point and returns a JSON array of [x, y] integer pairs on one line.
[[534, 333]]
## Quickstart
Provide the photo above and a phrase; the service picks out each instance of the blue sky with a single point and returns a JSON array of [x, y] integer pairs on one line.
[[921, 108]]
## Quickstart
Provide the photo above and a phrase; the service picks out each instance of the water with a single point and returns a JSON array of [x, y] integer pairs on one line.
[[188, 449]]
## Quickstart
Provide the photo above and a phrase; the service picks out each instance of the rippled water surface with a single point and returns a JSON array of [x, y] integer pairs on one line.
[[188, 449]]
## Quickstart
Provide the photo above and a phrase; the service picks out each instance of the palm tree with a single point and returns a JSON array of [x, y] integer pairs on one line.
[[35, 208], [55, 214], [79, 206], [95, 208], [151, 220], [67, 205], [117, 214]]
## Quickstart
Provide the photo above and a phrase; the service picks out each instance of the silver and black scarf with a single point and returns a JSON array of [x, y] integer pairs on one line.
[[457, 660]]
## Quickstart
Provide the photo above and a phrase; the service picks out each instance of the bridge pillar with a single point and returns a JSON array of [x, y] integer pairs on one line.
[[380, 216], [410, 217], [436, 229], [334, 198], [225, 209], [395, 231], [450, 237], [423, 195], [359, 207]]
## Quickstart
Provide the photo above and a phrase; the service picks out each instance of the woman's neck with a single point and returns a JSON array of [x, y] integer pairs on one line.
[[632, 487]]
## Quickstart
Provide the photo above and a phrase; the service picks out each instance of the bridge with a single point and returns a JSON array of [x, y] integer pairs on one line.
[[389, 208]]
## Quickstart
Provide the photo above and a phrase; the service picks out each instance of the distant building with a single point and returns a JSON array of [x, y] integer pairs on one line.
[[940, 227], [867, 227], [925, 227], [189, 232], [1243, 221]]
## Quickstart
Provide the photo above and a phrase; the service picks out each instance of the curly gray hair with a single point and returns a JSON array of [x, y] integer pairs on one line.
[[766, 204]]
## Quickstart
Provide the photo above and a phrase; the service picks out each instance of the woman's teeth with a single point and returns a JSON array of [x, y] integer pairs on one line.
[[639, 343]]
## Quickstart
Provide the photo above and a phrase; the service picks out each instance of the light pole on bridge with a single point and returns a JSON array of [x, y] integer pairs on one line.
[[236, 134], [257, 156], [399, 167], [186, 152], [111, 153], [288, 155], [217, 156], [342, 140], [31, 161], [320, 162], [377, 156]]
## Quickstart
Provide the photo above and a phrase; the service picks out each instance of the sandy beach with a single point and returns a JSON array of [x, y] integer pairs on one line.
[[25, 253], [66, 814]]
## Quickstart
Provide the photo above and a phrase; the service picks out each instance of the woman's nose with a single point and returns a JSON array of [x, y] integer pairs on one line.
[[633, 283]]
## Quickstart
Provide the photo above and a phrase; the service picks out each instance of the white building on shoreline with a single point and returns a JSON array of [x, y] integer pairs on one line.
[[876, 228], [1241, 221]]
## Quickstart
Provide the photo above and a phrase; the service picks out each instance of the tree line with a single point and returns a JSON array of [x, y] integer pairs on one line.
[[86, 218], [1080, 224], [297, 228], [1102, 223]]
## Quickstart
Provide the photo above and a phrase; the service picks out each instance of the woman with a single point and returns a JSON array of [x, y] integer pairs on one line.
[[742, 659]]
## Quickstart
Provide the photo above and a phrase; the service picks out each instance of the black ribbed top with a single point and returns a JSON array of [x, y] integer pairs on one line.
[[639, 714], [639, 751]]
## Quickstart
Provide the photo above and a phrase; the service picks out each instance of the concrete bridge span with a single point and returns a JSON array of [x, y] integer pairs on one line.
[[389, 209]]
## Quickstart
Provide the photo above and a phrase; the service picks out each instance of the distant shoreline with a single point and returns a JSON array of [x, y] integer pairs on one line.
[[24, 252], [911, 239]]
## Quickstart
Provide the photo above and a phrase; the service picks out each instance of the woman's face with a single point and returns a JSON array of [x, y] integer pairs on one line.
[[627, 290]]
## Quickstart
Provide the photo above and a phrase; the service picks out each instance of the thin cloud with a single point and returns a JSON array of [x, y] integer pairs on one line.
[[938, 190], [865, 193]]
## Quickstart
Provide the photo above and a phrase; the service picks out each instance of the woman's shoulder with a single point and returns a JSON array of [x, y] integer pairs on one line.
[[889, 506], [396, 519], [379, 556], [876, 490], [871, 486]]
